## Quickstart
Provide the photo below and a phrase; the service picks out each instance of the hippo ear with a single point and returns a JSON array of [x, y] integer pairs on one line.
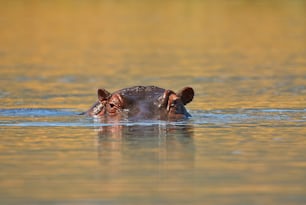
[[186, 95], [103, 94]]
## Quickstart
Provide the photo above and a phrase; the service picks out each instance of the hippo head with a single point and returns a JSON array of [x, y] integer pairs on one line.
[[143, 102]]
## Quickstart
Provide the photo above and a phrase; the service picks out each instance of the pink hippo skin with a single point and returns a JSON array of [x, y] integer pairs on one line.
[[142, 102]]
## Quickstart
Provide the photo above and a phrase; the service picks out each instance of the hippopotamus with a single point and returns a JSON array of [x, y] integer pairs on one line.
[[142, 102]]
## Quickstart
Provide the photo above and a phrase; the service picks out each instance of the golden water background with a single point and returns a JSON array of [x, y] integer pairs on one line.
[[245, 60]]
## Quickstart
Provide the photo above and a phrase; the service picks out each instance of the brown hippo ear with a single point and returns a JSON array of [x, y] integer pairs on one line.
[[103, 94], [186, 95]]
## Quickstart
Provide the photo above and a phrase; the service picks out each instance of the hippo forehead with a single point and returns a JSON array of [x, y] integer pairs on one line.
[[141, 93]]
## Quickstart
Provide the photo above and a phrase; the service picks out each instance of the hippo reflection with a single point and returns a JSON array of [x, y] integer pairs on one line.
[[159, 147], [143, 102]]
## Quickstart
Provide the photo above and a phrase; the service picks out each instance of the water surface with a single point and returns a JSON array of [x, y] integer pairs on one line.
[[245, 142]]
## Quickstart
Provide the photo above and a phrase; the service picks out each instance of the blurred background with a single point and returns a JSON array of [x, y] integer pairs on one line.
[[57, 53]]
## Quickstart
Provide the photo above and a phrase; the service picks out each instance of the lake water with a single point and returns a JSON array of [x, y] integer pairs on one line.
[[245, 142]]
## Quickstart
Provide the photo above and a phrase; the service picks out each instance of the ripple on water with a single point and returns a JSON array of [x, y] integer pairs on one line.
[[249, 116], [35, 112], [33, 117]]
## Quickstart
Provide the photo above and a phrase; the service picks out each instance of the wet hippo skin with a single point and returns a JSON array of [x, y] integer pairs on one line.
[[142, 102]]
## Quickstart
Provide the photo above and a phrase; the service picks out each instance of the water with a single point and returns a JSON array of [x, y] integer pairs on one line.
[[245, 142]]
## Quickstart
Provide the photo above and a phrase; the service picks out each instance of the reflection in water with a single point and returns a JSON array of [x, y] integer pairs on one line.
[[121, 148]]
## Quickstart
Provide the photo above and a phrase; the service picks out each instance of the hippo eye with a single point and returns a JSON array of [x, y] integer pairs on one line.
[[173, 104], [112, 105]]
